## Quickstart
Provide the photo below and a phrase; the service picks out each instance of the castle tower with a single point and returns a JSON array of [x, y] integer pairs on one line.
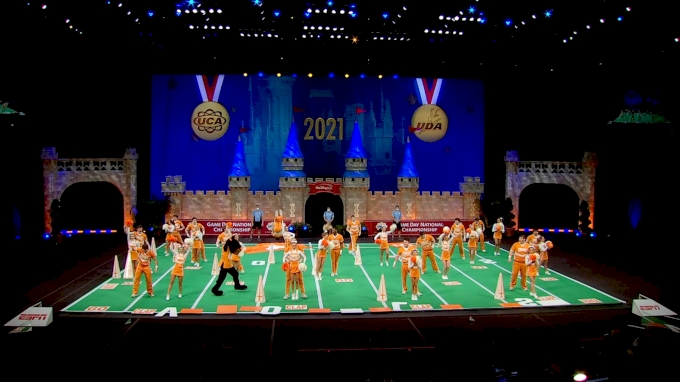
[[356, 180], [49, 158], [130, 199], [408, 183], [292, 180], [239, 183]]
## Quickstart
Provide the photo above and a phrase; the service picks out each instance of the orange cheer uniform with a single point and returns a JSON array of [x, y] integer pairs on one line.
[[498, 229], [383, 239], [479, 226], [446, 247], [532, 265], [143, 267], [338, 241], [294, 258], [178, 269], [404, 254], [533, 240], [354, 229], [426, 243], [518, 253], [472, 241], [458, 231]]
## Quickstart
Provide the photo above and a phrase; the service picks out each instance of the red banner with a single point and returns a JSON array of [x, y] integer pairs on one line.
[[414, 227], [328, 187], [216, 227]]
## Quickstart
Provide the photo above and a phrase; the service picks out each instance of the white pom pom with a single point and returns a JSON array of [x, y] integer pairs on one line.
[[302, 267], [188, 241], [393, 227], [165, 227]]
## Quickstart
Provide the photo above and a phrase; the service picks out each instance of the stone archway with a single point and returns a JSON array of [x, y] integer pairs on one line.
[[60, 173], [579, 176]]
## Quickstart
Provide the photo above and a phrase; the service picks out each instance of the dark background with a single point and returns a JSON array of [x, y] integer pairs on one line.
[[89, 96]]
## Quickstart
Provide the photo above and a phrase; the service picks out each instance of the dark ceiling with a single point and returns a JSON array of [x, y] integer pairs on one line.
[[464, 37]]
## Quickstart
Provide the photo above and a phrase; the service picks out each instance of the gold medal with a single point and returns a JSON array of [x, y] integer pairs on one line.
[[210, 121], [429, 123]]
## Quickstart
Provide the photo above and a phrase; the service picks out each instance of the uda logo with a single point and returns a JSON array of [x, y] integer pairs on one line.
[[429, 122]]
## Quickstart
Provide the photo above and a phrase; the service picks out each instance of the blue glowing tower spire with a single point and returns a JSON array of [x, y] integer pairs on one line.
[[292, 162], [356, 162], [239, 177], [408, 175]]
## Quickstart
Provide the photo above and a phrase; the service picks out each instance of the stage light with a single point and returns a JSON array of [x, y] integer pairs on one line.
[[342, 11], [508, 22], [592, 234], [45, 6], [330, 3], [580, 377], [260, 74], [331, 75], [441, 17], [278, 74], [533, 17], [307, 14], [602, 21], [362, 75], [245, 74], [628, 9], [316, 11], [548, 13], [677, 39], [291, 229], [305, 228], [219, 11], [385, 15], [47, 235], [578, 234], [395, 76], [309, 75], [276, 13], [17, 237], [354, 14], [471, 10], [380, 76], [427, 30], [257, 2], [346, 75], [619, 18], [294, 75], [588, 26]]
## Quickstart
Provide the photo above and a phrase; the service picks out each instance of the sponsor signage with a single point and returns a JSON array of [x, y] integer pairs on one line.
[[33, 317], [216, 227], [414, 227], [648, 307], [327, 187]]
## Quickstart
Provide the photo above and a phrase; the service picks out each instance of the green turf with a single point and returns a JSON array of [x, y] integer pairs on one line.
[[471, 287]]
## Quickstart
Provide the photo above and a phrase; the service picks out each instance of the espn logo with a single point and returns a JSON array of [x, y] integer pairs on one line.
[[32, 317]]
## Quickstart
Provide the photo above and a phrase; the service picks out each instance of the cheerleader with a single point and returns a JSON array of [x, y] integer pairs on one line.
[[133, 244], [170, 238], [473, 240], [543, 247], [533, 262], [415, 266], [198, 250], [179, 257], [381, 238], [279, 227], [445, 242], [295, 260], [498, 230], [354, 228], [321, 254]]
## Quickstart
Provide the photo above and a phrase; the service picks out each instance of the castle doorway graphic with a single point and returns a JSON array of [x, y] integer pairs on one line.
[[91, 205], [60, 173], [561, 200], [579, 176], [321, 196]]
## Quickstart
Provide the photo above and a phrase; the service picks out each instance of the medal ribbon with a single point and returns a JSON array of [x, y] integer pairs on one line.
[[209, 93], [429, 95]]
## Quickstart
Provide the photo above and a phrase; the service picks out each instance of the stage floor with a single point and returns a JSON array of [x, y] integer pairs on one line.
[[354, 291]]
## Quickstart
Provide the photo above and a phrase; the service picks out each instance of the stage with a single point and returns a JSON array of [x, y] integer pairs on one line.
[[353, 292]]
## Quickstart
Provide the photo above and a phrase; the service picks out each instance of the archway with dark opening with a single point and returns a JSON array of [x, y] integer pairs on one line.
[[317, 204], [92, 206], [548, 206]]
